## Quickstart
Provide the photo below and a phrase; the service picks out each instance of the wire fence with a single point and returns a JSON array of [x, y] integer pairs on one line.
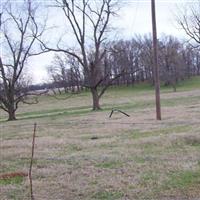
[[64, 124]]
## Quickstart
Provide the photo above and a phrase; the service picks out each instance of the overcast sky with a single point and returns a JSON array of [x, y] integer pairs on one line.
[[134, 18]]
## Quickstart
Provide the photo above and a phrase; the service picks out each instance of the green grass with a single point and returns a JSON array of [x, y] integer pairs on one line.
[[131, 157], [56, 111], [114, 92], [183, 179], [184, 85], [50, 113], [138, 87], [188, 84], [15, 164], [149, 177], [136, 134], [78, 111], [105, 107], [14, 180], [181, 100], [139, 160]]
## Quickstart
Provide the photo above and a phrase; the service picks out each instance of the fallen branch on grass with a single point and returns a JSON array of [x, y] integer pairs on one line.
[[117, 110]]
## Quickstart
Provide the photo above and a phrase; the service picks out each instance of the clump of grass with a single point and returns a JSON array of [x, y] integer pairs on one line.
[[108, 195], [149, 177], [192, 140], [74, 147], [109, 164], [139, 160]]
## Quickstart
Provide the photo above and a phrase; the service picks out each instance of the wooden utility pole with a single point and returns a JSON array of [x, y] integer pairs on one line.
[[155, 59]]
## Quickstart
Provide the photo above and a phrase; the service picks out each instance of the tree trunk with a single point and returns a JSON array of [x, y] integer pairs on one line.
[[11, 114], [11, 104], [174, 87], [95, 99]]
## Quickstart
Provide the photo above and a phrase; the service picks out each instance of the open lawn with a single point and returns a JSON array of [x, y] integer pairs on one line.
[[85, 155]]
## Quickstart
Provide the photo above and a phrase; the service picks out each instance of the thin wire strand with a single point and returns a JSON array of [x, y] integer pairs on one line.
[[46, 125], [134, 17]]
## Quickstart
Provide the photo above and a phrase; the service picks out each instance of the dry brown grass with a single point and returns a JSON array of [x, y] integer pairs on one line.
[[131, 158]]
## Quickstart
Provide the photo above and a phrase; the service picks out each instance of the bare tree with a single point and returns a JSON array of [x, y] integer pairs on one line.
[[170, 61], [189, 20], [65, 74], [19, 30], [146, 57], [57, 71], [74, 74], [89, 22]]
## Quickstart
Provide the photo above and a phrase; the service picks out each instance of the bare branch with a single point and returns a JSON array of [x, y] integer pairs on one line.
[[190, 23]]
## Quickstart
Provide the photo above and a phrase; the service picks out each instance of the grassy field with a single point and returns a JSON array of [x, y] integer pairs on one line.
[[85, 155]]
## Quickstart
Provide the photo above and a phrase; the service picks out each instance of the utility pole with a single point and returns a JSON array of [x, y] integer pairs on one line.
[[155, 62]]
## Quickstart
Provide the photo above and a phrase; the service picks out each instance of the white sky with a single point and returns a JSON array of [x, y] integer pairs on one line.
[[134, 18]]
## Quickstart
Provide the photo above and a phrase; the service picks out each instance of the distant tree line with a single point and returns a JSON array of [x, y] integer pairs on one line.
[[131, 61]]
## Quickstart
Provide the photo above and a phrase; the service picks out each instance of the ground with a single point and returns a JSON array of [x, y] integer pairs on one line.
[[85, 155]]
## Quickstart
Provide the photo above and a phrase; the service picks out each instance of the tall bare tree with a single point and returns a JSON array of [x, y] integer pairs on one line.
[[89, 22], [19, 32]]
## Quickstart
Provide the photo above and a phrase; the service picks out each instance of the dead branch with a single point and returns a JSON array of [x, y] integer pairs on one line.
[[117, 110]]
